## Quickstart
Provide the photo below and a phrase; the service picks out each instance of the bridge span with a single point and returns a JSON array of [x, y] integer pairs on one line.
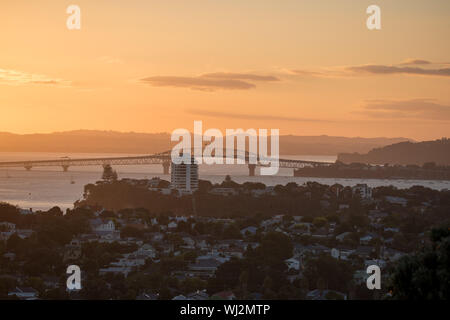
[[163, 159]]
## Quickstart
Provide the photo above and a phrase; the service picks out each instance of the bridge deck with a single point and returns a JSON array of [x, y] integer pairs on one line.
[[159, 158]]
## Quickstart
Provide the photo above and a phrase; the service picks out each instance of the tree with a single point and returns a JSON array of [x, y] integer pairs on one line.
[[425, 275], [9, 212], [131, 232], [109, 174], [227, 275], [228, 183], [320, 222], [55, 212], [231, 232], [275, 247], [327, 272]]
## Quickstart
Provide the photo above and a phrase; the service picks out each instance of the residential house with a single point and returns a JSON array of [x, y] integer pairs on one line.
[[115, 270], [249, 230], [293, 263], [365, 240], [24, 293], [24, 233], [364, 251], [396, 200], [318, 294], [146, 251], [342, 236], [342, 252], [204, 267]]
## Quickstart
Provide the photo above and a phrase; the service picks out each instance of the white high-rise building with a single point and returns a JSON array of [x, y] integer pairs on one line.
[[363, 190], [184, 177]]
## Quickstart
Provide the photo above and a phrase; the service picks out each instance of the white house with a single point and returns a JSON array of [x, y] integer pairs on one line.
[[365, 239], [98, 225], [172, 225], [341, 253], [293, 263], [7, 229], [362, 190], [396, 200], [26, 211]]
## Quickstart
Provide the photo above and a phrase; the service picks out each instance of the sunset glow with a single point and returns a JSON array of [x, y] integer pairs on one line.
[[305, 67]]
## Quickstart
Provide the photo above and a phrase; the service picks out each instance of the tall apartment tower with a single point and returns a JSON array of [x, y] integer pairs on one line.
[[184, 177]]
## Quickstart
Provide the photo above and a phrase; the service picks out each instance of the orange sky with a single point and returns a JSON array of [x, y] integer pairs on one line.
[[305, 67]]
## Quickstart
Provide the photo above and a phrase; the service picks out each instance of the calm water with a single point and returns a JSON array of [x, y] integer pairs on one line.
[[43, 188]]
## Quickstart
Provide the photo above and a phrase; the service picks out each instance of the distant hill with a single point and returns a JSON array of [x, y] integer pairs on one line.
[[90, 141], [330, 145], [404, 153]]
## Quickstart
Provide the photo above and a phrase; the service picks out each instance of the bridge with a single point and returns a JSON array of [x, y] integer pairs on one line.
[[163, 159]]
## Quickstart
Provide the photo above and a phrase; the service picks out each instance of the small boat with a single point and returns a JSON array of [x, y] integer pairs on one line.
[[72, 181]]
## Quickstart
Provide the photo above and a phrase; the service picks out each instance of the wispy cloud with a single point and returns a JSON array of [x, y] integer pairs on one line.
[[14, 77], [239, 76], [242, 116], [413, 67], [408, 62], [426, 109], [210, 81], [381, 69]]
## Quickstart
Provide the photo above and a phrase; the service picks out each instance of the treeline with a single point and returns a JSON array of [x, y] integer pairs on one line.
[[429, 171], [311, 199], [290, 199]]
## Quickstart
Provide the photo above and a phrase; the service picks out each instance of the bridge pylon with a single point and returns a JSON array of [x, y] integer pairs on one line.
[[65, 167], [251, 170], [166, 167]]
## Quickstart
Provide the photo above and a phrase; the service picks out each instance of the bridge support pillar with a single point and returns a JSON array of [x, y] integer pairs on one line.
[[251, 170], [65, 167], [166, 167]]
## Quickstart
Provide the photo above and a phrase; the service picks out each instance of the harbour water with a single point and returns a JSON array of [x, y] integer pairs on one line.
[[43, 188]]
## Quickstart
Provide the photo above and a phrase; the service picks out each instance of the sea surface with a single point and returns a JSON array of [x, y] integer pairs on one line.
[[43, 188]]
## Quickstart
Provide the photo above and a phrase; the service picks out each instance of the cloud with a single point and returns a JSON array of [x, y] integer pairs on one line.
[[210, 81], [382, 69], [425, 109], [414, 67], [14, 77], [216, 114], [335, 72], [239, 76], [415, 62]]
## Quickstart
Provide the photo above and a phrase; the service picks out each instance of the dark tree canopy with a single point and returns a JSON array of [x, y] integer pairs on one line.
[[425, 275]]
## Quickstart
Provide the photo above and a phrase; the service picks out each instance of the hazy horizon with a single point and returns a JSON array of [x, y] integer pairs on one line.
[[169, 133]]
